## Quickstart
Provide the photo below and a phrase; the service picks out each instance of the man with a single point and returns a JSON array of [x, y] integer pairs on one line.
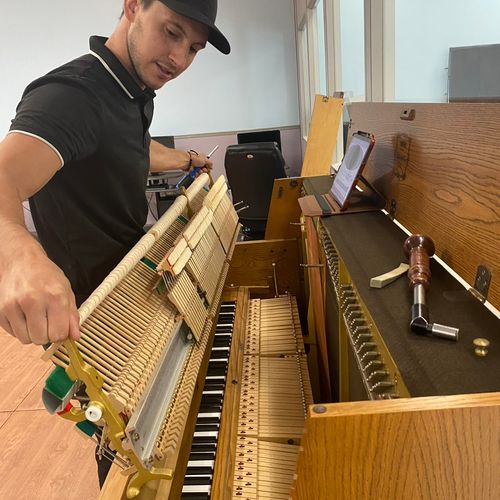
[[79, 149]]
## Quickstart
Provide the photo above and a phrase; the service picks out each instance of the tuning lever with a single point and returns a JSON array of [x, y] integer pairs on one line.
[[418, 249]]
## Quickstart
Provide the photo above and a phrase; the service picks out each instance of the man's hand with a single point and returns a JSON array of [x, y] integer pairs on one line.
[[201, 160], [162, 159], [36, 302]]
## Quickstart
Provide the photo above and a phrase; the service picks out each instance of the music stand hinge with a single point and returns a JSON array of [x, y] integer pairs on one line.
[[481, 283], [392, 209]]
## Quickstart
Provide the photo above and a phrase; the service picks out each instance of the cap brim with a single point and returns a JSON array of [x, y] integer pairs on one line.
[[215, 37]]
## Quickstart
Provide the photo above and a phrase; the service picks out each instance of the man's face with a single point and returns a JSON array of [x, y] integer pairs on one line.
[[162, 44]]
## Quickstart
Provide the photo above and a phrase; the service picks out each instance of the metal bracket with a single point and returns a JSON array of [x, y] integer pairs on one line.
[[481, 283], [402, 154], [407, 114], [392, 209]]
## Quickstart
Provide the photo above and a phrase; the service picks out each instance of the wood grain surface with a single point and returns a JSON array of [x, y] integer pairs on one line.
[[42, 456], [284, 209], [421, 448], [20, 370], [448, 186], [322, 136], [251, 266]]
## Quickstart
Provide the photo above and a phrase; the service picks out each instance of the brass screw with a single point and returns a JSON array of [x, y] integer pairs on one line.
[[481, 346]]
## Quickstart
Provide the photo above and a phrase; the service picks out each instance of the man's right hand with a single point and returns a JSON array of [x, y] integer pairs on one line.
[[37, 304]]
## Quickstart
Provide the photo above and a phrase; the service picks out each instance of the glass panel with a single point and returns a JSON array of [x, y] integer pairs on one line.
[[304, 80], [425, 31], [320, 29], [352, 45]]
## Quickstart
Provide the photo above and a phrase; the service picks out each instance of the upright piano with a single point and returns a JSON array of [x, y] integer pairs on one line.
[[278, 372]]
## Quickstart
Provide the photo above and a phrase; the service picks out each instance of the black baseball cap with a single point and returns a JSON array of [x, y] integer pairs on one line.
[[205, 12]]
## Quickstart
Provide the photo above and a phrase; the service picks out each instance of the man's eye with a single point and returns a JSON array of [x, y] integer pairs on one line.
[[172, 34]]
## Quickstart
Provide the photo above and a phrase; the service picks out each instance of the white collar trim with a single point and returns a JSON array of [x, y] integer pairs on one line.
[[105, 64]]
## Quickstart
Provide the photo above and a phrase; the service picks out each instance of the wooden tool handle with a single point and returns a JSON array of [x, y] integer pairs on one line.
[[418, 248]]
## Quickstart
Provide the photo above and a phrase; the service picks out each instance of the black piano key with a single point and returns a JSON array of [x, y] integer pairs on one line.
[[195, 496], [200, 467], [192, 480], [203, 447], [205, 439], [206, 427], [202, 455]]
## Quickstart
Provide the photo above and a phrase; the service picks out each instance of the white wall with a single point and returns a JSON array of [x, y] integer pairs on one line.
[[254, 87], [425, 30]]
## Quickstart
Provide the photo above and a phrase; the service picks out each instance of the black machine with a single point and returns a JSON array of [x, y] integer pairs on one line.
[[251, 169]]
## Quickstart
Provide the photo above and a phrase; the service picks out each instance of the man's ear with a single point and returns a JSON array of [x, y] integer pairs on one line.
[[130, 9]]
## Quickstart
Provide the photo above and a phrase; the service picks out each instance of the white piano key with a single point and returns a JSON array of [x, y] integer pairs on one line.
[[213, 434], [220, 393], [196, 488], [201, 463], [209, 415]]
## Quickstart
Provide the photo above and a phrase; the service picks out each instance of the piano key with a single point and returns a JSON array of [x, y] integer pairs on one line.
[[202, 455], [219, 378], [208, 416], [190, 480], [195, 496], [196, 488], [205, 440], [203, 447], [209, 434], [206, 427], [213, 393], [198, 464]]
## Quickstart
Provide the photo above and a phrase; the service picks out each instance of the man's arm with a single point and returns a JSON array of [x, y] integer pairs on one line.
[[36, 302], [162, 158]]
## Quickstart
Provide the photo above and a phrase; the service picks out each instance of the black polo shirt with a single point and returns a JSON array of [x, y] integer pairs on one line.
[[94, 115]]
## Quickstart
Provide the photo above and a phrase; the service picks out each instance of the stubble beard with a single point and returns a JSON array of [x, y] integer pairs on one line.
[[134, 58]]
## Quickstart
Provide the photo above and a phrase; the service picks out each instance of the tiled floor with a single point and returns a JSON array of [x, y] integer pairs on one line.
[[42, 457]]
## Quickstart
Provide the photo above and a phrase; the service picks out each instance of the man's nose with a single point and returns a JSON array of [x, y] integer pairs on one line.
[[180, 56]]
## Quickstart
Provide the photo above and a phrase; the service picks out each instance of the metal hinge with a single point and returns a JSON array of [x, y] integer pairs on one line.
[[481, 283]]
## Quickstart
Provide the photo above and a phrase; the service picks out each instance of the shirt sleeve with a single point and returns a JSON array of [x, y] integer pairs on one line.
[[63, 114]]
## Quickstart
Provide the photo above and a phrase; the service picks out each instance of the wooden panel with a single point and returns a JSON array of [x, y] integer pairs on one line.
[[222, 485], [252, 261], [284, 208], [425, 448], [451, 185], [42, 457], [322, 136], [20, 370], [317, 304]]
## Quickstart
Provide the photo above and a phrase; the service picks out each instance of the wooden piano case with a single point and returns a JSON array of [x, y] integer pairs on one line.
[[416, 416]]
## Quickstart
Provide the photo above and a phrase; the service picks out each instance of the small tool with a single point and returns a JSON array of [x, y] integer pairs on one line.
[[418, 249], [389, 277], [190, 176]]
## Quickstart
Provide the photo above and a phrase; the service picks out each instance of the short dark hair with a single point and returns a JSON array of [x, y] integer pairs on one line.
[[145, 3]]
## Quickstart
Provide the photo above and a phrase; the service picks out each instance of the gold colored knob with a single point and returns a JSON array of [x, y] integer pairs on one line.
[[481, 346]]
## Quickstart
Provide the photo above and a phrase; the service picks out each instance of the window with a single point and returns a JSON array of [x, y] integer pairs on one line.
[[421, 61], [352, 49]]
